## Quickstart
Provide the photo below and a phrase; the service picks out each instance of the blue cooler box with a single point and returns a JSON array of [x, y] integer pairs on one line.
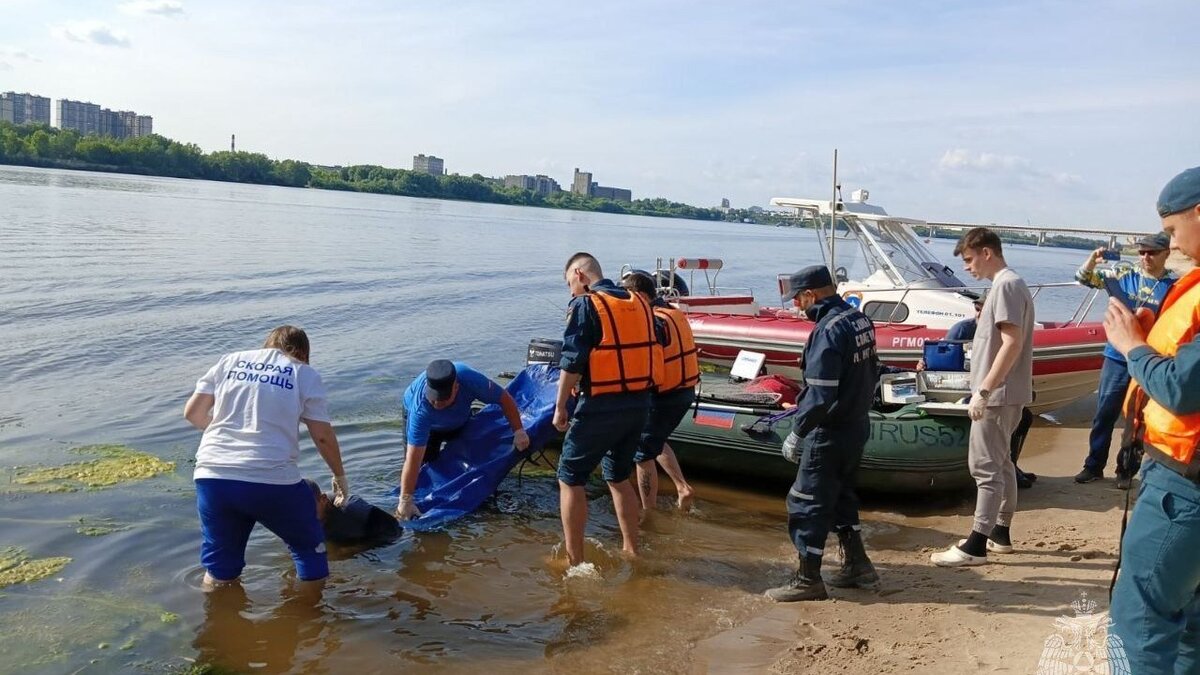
[[944, 355]]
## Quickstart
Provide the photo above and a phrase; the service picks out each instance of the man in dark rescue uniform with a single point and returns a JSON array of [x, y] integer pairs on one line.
[[831, 426]]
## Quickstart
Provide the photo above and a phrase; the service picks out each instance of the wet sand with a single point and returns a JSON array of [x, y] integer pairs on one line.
[[489, 594], [994, 618]]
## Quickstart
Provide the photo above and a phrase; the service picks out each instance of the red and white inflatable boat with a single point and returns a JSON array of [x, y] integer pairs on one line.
[[1066, 358]]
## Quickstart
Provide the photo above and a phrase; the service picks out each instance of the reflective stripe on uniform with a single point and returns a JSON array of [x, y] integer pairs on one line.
[[821, 382]]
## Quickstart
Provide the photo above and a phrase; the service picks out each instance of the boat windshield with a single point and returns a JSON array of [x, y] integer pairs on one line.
[[883, 250]]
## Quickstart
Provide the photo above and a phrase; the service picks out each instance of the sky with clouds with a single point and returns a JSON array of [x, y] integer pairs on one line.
[[1008, 111]]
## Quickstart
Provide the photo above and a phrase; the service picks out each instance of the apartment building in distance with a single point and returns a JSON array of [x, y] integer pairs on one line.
[[125, 124], [538, 185], [584, 185], [81, 116], [429, 164], [24, 108], [90, 119]]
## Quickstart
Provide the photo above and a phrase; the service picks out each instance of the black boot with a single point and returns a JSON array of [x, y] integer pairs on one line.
[[857, 570], [805, 584]]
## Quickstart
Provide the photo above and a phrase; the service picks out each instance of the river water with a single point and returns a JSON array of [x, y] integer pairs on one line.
[[118, 292]]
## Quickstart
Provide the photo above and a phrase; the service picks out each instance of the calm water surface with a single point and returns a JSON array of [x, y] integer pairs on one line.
[[118, 292]]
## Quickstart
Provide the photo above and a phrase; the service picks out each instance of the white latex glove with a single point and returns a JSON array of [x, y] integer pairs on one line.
[[975, 410], [791, 448], [341, 490], [406, 509], [520, 440]]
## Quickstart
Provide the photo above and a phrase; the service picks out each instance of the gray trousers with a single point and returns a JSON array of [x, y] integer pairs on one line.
[[990, 461]]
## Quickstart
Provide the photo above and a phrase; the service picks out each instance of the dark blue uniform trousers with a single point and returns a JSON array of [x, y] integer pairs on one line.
[[823, 495]]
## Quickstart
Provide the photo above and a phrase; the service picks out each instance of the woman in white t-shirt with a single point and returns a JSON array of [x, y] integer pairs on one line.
[[250, 406]]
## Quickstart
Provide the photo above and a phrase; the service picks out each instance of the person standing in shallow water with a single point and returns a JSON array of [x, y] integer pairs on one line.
[[1001, 386], [608, 353], [250, 406], [830, 430], [674, 393]]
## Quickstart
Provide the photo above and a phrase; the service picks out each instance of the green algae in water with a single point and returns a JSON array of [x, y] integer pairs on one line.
[[16, 567], [115, 464], [67, 626], [99, 527]]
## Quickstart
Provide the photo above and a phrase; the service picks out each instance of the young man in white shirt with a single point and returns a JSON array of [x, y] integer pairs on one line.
[[1001, 386]]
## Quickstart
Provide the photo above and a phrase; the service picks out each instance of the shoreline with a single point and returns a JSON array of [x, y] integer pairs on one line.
[[922, 618]]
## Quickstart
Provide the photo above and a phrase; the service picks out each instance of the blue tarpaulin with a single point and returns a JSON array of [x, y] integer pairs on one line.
[[472, 464]]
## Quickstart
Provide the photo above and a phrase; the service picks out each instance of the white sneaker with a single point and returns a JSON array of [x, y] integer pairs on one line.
[[999, 548], [956, 557], [992, 546]]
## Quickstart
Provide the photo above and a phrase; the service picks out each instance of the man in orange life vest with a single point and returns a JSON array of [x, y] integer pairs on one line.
[[608, 352], [674, 393], [1156, 602]]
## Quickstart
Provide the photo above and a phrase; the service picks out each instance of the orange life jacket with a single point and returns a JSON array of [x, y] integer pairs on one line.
[[681, 367], [1169, 438], [623, 360]]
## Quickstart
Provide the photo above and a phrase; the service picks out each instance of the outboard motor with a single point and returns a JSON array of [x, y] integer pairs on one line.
[[544, 350]]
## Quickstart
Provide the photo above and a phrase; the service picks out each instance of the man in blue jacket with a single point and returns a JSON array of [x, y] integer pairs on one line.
[[1144, 287], [831, 427]]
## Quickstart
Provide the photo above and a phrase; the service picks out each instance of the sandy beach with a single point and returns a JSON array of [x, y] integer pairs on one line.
[[995, 618]]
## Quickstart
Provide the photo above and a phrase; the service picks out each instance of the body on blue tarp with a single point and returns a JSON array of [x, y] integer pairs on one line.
[[472, 464]]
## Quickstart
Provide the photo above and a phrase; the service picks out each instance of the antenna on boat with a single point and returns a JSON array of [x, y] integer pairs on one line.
[[834, 207]]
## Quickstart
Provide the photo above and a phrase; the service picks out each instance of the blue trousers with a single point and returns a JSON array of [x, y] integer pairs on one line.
[[229, 509], [1114, 380], [1156, 603], [823, 495]]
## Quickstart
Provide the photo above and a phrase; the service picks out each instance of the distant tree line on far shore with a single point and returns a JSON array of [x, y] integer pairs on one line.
[[43, 146]]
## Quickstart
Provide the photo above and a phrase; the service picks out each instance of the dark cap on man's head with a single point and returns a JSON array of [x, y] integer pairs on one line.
[[1181, 193], [439, 380], [1159, 241], [813, 276]]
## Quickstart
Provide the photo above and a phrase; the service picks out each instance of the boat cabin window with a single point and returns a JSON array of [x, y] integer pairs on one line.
[[878, 310]]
